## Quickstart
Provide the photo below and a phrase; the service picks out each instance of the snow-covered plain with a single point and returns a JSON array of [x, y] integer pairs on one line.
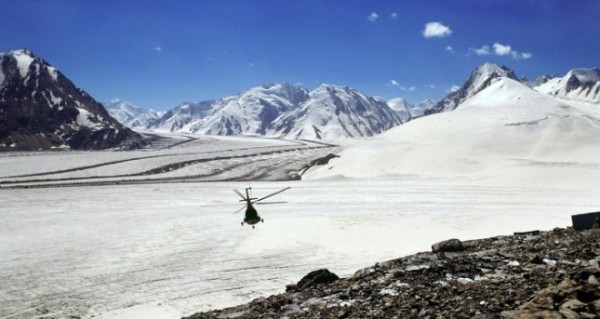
[[173, 249]]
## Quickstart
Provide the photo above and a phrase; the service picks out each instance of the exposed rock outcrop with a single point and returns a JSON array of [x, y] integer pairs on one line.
[[42, 109], [551, 274]]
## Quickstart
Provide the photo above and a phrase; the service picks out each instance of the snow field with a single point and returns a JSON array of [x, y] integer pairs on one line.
[[178, 248]]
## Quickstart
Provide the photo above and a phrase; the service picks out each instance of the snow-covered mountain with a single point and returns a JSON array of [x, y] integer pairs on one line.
[[129, 114], [249, 112], [507, 131], [480, 79], [284, 110], [334, 112], [177, 119], [41, 109], [408, 111], [577, 85]]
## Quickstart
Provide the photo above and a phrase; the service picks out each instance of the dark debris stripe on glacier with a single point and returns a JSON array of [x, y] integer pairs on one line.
[[265, 165]]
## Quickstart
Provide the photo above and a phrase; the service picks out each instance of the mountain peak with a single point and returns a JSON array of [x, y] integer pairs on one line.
[[479, 79], [19, 52], [585, 75], [581, 84], [42, 109], [492, 67], [488, 71]]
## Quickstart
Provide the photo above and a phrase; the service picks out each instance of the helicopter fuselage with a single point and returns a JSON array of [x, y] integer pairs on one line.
[[251, 216]]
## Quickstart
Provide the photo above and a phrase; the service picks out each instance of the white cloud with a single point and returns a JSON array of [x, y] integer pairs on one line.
[[484, 50], [157, 49], [250, 64], [436, 29], [431, 86], [501, 49], [402, 87], [521, 56], [373, 17], [394, 15], [450, 49]]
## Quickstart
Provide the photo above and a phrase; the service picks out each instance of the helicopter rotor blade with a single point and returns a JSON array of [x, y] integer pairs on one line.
[[242, 196], [239, 210], [277, 192], [269, 203]]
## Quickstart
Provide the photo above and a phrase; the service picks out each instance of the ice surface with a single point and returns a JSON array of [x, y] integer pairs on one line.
[[102, 250]]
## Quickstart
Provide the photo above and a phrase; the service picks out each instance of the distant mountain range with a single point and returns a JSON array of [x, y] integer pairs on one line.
[[279, 110], [41, 109], [333, 112]]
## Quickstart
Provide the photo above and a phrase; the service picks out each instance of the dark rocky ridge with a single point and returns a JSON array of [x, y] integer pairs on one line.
[[551, 274], [42, 109]]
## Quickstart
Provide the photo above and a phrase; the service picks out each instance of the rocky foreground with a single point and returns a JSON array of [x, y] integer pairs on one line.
[[553, 274]]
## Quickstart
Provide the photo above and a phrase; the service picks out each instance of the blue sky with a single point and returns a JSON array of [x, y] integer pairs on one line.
[[161, 53]]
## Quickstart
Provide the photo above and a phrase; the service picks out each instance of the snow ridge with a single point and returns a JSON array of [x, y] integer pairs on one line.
[[580, 84], [480, 78]]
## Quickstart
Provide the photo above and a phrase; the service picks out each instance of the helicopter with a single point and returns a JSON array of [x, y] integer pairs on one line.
[[251, 217]]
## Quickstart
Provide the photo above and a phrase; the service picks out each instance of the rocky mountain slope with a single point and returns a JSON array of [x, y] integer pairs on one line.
[[41, 109], [551, 274], [581, 85]]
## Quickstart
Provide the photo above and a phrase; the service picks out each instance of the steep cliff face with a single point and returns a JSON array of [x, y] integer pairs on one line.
[[42, 109]]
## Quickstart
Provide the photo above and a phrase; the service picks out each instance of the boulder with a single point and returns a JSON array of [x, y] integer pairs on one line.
[[317, 277], [450, 245]]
